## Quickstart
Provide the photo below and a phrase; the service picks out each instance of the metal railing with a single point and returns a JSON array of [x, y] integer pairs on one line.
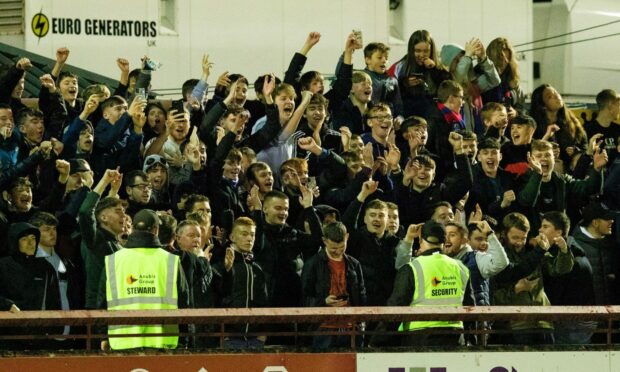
[[29, 323]]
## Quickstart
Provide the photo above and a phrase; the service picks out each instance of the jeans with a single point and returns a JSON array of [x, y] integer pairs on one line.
[[240, 343]]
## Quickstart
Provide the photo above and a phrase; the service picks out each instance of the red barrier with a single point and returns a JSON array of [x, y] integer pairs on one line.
[[285, 362]]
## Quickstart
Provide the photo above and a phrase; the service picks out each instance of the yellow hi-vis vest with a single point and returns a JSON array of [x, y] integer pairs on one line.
[[142, 279], [440, 281]]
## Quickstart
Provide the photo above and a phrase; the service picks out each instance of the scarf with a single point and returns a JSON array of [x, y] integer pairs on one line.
[[453, 118]]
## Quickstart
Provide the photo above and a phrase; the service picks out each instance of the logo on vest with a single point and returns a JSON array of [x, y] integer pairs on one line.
[[448, 286], [146, 284]]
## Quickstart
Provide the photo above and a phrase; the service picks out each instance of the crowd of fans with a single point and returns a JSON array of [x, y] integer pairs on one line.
[[312, 195]]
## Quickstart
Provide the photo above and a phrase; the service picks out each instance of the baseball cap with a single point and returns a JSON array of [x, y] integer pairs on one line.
[[145, 220], [78, 165], [597, 210], [434, 232]]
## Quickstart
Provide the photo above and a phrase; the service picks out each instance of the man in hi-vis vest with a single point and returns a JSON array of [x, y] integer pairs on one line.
[[143, 276], [431, 279]]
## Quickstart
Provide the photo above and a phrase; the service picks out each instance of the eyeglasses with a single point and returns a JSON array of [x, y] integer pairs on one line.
[[142, 186], [382, 118]]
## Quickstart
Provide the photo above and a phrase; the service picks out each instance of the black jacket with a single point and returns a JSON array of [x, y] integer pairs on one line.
[[316, 277], [280, 250], [96, 244], [415, 206], [27, 281], [377, 256]]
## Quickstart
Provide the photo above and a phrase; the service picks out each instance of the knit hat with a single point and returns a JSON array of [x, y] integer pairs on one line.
[[449, 52], [153, 160], [434, 232]]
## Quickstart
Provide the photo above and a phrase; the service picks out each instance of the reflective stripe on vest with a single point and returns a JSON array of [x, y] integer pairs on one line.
[[134, 274], [446, 273]]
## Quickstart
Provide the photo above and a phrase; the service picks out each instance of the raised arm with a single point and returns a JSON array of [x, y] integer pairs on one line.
[[293, 122]]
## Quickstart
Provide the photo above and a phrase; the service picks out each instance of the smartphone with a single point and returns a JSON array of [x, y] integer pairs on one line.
[[418, 75], [358, 37], [141, 92], [179, 106]]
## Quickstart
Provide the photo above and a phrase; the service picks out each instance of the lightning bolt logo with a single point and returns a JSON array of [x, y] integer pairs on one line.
[[40, 25]]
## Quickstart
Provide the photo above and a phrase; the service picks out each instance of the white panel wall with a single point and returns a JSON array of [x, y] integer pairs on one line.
[[255, 37], [454, 21]]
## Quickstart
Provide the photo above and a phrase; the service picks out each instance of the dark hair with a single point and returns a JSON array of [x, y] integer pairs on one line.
[[133, 74], [28, 112], [130, 178], [254, 168], [417, 37], [188, 86], [567, 121], [107, 202], [193, 199], [5, 106], [522, 119], [488, 143], [425, 161], [19, 181], [559, 220], [258, 83], [155, 104], [467, 134], [43, 218], [335, 231], [167, 227], [112, 101], [234, 155], [66, 74], [605, 97], [349, 156], [319, 99], [375, 47], [307, 78]]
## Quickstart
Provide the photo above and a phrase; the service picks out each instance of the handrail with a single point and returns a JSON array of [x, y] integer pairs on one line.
[[307, 315]]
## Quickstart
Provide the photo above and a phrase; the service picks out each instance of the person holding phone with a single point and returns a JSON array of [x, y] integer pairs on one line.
[[419, 74], [333, 278]]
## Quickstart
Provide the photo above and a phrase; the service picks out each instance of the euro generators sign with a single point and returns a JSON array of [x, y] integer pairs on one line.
[[42, 25]]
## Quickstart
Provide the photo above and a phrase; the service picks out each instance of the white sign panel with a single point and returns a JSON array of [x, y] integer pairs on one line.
[[489, 362]]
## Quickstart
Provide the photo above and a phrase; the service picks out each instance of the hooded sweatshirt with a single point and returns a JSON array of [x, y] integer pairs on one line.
[[27, 281]]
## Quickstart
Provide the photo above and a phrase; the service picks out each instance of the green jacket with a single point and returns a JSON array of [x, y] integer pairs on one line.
[[529, 263], [96, 244]]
